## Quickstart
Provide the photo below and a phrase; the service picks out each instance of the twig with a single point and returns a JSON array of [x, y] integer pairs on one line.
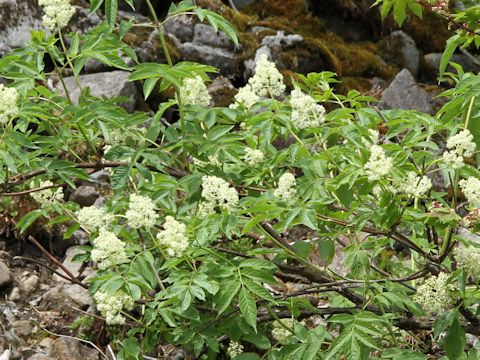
[[43, 265], [73, 278]]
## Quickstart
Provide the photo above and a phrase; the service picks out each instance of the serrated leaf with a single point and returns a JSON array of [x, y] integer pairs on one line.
[[248, 307]]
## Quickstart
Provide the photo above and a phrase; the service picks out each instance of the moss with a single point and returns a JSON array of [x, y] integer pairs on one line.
[[361, 84], [224, 96], [430, 33]]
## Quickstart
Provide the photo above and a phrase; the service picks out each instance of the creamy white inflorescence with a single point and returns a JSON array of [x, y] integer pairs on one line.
[[471, 189], [217, 193], [435, 294], [111, 306], [469, 260], [108, 250], [379, 164], [286, 187], [8, 103], [279, 333], [141, 212], [253, 156], [460, 146], [93, 218], [173, 236], [46, 197], [267, 80], [306, 113], [194, 92], [245, 97], [56, 13], [234, 349], [415, 185]]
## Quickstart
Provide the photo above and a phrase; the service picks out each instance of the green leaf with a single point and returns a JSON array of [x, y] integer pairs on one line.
[[111, 8], [248, 307], [455, 341], [225, 296], [247, 356], [259, 340], [29, 219], [452, 45]]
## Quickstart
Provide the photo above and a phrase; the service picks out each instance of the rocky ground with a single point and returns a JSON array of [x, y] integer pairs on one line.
[[42, 315]]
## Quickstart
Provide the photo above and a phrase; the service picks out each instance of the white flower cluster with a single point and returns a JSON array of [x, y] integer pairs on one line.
[[217, 193], [174, 236], [471, 189], [267, 80], [108, 250], [460, 146], [379, 164], [141, 212], [435, 295], [286, 187], [234, 349], [306, 113], [253, 156], [46, 197], [468, 259], [415, 185], [245, 97], [194, 92], [111, 306], [8, 103], [93, 218], [279, 333], [56, 12]]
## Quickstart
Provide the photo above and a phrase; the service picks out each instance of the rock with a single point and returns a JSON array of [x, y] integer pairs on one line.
[[206, 35], [280, 40], [432, 63], [5, 278], [222, 91], [15, 294], [72, 349], [84, 195], [40, 357], [23, 327], [101, 178], [239, 4], [400, 49], [80, 237], [30, 284], [6, 355], [181, 27], [109, 84], [404, 93], [221, 58], [63, 296], [74, 267]]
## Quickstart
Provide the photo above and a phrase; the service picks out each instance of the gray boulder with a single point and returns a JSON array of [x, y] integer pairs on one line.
[[181, 27], [404, 93], [5, 278], [108, 84], [432, 62], [400, 49], [72, 349], [222, 59], [206, 35], [85, 195]]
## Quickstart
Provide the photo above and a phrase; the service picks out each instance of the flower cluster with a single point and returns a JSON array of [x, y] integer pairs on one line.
[[46, 197], [267, 80], [435, 294], [141, 212], [286, 187], [279, 333], [111, 306], [108, 250], [194, 92], [234, 349], [415, 185], [306, 113], [379, 164], [471, 189], [245, 97], [460, 146], [468, 259], [93, 218], [174, 236], [253, 156], [56, 12], [8, 102], [217, 193]]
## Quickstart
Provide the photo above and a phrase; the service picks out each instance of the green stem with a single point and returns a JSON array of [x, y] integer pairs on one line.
[[469, 111]]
